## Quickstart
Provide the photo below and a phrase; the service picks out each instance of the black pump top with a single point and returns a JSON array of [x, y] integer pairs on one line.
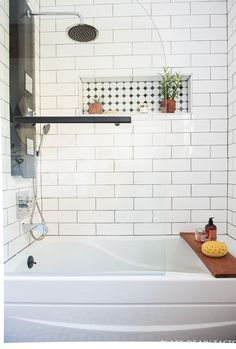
[[210, 222]]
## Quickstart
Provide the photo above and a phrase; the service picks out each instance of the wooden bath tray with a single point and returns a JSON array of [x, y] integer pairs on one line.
[[222, 267]]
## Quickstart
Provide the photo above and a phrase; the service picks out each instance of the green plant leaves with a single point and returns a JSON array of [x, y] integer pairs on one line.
[[170, 84], [97, 100]]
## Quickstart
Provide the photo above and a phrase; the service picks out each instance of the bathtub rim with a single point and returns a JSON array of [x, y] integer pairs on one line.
[[203, 272]]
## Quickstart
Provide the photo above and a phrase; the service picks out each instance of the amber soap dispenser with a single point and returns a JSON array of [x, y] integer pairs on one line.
[[210, 230]]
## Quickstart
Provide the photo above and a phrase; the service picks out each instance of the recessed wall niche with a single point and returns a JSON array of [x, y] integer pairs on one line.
[[127, 95]]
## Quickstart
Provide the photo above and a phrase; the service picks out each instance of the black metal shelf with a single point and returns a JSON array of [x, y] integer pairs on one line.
[[72, 119]]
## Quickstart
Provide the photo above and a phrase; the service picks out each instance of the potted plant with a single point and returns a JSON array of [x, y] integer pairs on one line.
[[169, 86], [96, 106]]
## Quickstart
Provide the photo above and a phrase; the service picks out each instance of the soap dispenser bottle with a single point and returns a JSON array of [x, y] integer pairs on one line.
[[210, 230]]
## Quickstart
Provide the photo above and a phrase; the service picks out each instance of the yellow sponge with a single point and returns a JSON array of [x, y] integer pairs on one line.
[[214, 249]]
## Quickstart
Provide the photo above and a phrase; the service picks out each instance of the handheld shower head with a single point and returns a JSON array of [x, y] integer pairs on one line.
[[46, 129]]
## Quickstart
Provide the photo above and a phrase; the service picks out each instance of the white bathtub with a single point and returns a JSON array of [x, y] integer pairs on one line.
[[115, 289]]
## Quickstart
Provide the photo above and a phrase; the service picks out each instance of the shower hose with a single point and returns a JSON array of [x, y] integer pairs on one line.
[[43, 223]]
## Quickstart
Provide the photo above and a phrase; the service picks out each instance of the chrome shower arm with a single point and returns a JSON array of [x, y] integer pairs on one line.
[[30, 14]]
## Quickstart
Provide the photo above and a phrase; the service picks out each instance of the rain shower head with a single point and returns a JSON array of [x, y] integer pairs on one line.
[[80, 32]]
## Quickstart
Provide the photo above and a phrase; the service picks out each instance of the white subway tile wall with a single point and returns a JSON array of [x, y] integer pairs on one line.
[[163, 173], [14, 239], [232, 118]]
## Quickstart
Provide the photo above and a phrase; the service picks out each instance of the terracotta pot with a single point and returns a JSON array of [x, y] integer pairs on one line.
[[168, 106], [95, 108]]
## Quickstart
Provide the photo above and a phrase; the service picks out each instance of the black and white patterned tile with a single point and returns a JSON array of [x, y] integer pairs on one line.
[[128, 96]]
